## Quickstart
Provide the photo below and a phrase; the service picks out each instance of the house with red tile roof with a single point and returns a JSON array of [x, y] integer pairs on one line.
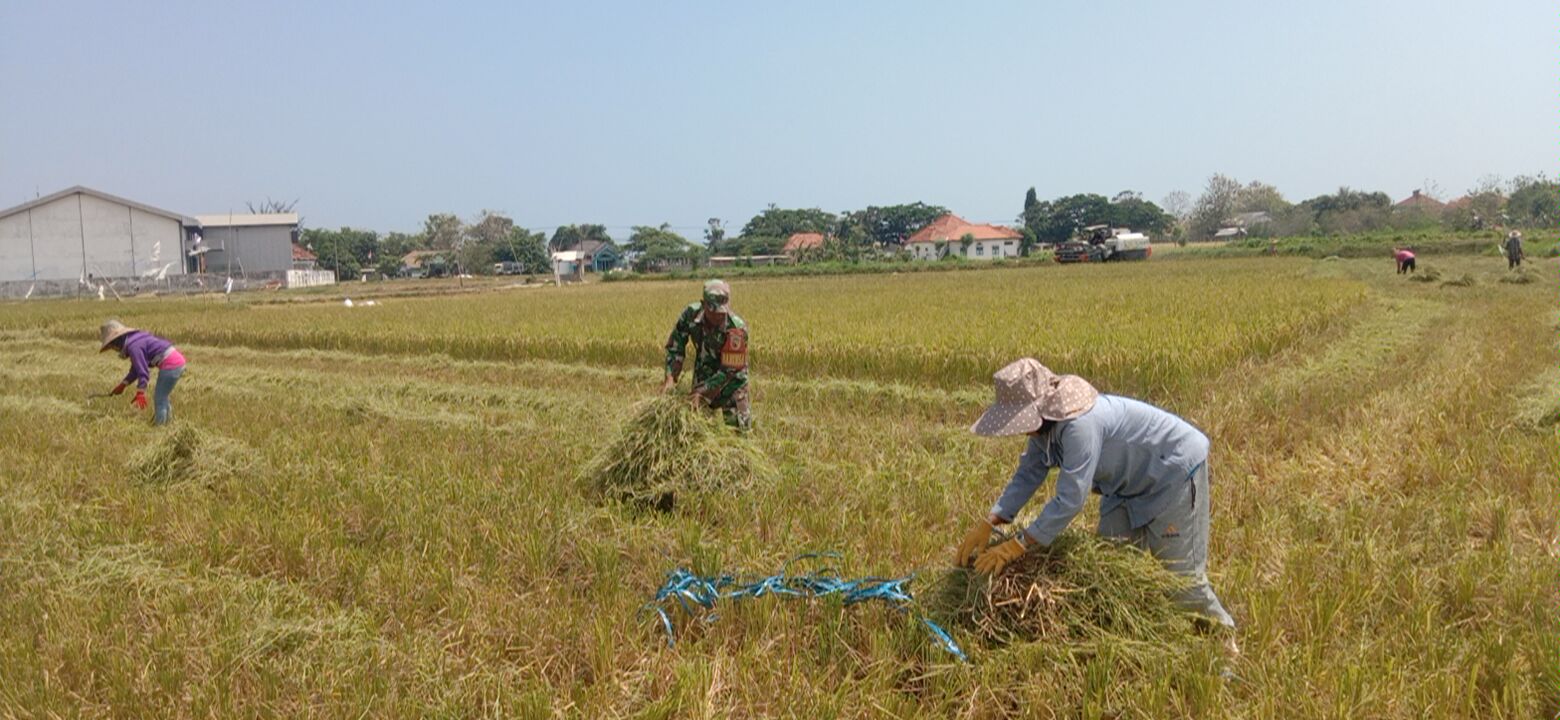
[[302, 258], [802, 242], [946, 236], [1420, 201]]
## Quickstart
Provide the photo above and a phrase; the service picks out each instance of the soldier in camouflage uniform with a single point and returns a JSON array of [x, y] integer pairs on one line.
[[720, 339]]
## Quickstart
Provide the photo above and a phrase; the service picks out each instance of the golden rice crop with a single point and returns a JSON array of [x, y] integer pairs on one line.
[[419, 545], [1155, 329]]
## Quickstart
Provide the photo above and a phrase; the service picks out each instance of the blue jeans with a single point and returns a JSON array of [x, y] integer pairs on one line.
[[165, 382]]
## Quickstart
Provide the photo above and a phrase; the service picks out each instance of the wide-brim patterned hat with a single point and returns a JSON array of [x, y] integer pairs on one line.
[[1028, 393], [111, 331]]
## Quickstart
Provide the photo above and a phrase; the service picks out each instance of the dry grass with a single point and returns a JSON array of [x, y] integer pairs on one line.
[[1079, 593], [667, 450], [187, 455]]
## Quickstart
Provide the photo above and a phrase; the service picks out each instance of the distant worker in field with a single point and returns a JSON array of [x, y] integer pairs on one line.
[[720, 362], [145, 351], [1405, 260], [1513, 250], [1149, 467]]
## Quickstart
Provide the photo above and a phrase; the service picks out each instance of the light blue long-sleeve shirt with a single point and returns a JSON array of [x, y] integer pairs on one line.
[[1128, 451]]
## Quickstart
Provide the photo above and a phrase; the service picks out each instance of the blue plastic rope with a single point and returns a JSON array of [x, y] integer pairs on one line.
[[698, 594]]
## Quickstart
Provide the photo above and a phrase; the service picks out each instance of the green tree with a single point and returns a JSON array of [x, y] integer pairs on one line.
[[965, 241], [714, 233], [889, 225], [443, 231], [1129, 210], [1027, 244], [1216, 204], [658, 247], [569, 237], [782, 222], [527, 248], [1261, 197], [1534, 201], [1055, 221], [343, 250], [1348, 211], [397, 244]]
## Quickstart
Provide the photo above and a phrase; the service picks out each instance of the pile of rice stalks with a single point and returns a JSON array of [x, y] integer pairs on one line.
[[1428, 275], [1520, 276], [187, 455], [667, 449], [1464, 280], [1081, 592]]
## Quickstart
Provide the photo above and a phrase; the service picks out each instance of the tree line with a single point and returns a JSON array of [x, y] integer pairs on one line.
[[1254, 208]]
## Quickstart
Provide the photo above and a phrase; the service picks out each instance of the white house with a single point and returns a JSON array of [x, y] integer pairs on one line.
[[951, 235], [568, 262]]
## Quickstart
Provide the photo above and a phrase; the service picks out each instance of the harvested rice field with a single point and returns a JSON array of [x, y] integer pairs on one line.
[[424, 508]]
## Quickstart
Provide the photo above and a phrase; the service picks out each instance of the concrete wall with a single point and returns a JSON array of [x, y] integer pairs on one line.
[[310, 278], [264, 248], [80, 234]]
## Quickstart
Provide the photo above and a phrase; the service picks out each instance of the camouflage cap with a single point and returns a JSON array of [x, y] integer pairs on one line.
[[717, 296]]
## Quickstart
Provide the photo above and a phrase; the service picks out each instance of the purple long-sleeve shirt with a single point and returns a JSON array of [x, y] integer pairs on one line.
[[142, 347]]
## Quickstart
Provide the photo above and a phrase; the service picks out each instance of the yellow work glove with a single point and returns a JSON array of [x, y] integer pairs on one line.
[[974, 541], [992, 561]]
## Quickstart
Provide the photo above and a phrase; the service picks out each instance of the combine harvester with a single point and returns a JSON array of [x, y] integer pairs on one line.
[[1102, 243]]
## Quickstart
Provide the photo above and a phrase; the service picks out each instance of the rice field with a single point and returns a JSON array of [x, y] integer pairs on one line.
[[384, 511]]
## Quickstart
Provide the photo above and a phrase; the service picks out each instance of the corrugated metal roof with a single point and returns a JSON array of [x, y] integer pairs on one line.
[[247, 219], [46, 199]]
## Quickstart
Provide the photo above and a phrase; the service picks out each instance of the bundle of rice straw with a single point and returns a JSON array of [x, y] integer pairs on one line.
[[189, 455], [1519, 276], [1080, 591], [667, 448]]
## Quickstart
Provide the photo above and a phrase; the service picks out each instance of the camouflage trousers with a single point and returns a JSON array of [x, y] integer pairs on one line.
[[734, 407]]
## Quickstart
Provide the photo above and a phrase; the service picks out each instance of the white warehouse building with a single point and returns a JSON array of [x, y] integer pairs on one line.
[[83, 234], [79, 233]]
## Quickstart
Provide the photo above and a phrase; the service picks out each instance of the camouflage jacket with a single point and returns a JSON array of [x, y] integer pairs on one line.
[[720, 354]]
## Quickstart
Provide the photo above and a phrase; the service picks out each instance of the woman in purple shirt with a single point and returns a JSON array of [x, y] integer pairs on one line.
[[145, 351]]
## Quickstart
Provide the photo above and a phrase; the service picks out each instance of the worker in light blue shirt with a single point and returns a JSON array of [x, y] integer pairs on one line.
[[1149, 467]]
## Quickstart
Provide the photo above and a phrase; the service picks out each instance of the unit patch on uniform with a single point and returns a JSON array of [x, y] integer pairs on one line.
[[733, 355]]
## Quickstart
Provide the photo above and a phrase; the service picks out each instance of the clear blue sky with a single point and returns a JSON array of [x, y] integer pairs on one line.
[[376, 114]]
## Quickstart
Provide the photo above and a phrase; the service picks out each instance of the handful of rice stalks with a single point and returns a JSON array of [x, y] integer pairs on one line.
[[188, 455], [1081, 591], [667, 449]]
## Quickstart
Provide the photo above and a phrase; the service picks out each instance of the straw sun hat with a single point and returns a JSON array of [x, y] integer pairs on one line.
[[111, 331], [1028, 393]]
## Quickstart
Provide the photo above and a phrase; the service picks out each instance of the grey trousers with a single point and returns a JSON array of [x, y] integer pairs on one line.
[[1179, 538]]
